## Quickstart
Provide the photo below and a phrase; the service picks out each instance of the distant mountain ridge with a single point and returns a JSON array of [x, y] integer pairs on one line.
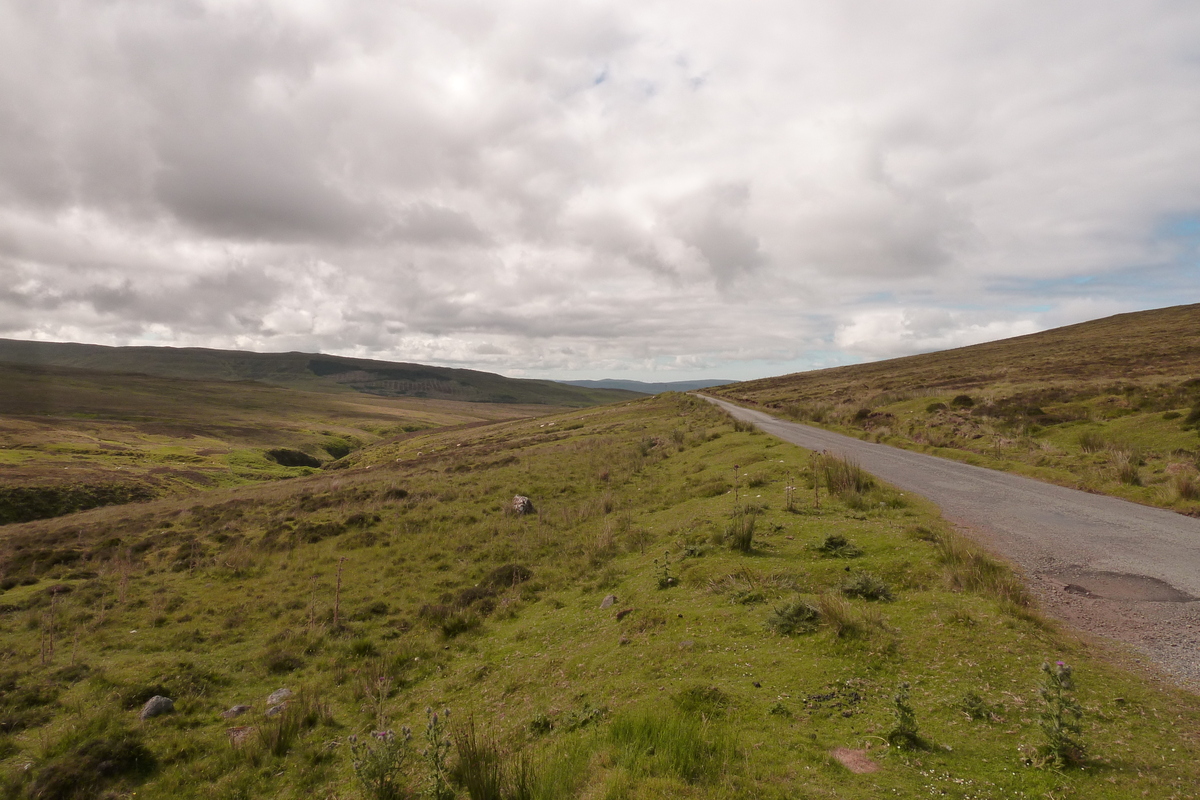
[[650, 388], [310, 371]]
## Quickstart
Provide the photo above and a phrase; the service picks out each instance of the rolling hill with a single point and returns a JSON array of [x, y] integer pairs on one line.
[[310, 371]]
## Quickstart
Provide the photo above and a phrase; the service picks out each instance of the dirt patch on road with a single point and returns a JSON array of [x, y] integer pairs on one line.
[[1122, 586]]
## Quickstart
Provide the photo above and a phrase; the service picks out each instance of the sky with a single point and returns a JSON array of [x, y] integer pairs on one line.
[[644, 189]]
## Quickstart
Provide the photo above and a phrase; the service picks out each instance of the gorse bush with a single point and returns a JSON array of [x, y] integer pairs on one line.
[[798, 616]]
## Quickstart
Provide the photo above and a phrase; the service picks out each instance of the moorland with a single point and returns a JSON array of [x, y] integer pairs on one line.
[[685, 608], [1111, 405]]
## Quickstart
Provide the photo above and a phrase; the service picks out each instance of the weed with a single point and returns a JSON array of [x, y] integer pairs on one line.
[[797, 616], [436, 754], [378, 762], [904, 733], [867, 587], [665, 579], [975, 707], [1059, 717]]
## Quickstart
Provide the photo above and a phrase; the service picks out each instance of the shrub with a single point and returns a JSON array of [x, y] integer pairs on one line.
[[962, 401], [797, 616], [281, 662], [507, 576], [867, 587], [933, 408]]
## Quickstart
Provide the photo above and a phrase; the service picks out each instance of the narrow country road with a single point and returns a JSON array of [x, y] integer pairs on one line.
[[1108, 566]]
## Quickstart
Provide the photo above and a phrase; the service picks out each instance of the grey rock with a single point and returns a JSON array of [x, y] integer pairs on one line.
[[522, 505], [278, 696], [275, 711], [608, 600], [236, 711], [156, 705]]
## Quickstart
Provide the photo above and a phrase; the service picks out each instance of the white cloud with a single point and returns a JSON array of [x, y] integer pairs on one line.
[[592, 188]]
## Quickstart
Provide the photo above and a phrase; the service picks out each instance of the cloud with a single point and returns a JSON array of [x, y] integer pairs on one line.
[[624, 187]]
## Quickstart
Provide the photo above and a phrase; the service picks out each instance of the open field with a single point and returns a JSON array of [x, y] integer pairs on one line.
[[1111, 406], [72, 439], [760, 636]]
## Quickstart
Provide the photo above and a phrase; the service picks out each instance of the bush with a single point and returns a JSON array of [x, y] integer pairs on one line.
[[794, 617], [933, 408], [85, 770], [838, 546], [866, 586], [962, 401]]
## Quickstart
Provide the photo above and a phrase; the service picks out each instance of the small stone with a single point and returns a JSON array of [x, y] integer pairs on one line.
[[156, 705], [623, 613], [623, 640], [278, 696], [239, 734], [608, 600], [522, 505], [686, 644], [236, 711], [275, 711]]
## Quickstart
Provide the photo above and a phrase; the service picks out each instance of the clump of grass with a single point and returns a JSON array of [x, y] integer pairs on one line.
[[866, 586], [277, 734], [739, 532], [1185, 486], [837, 546], [707, 702], [798, 616], [839, 616], [1092, 442], [840, 475], [487, 771], [649, 744], [970, 569], [1126, 466], [92, 765]]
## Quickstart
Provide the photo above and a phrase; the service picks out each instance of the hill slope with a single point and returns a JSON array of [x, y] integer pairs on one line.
[[310, 371], [680, 617], [650, 388], [1110, 405]]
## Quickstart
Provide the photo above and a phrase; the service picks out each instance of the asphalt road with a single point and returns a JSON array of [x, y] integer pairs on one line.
[[1112, 567]]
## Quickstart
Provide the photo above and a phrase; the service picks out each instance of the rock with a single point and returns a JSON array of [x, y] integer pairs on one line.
[[275, 711], [608, 600], [238, 735], [156, 705], [278, 696], [522, 505], [623, 613], [236, 711], [623, 640]]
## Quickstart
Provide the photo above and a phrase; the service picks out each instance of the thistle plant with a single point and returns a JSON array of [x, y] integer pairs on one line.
[[378, 761], [437, 753], [1059, 717], [665, 579], [904, 732]]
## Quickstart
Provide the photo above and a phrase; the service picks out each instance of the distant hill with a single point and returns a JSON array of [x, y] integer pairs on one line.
[[310, 371], [1145, 345], [649, 388]]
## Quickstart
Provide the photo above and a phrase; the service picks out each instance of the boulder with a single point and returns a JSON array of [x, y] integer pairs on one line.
[[278, 696], [155, 706], [522, 505], [608, 600], [236, 711]]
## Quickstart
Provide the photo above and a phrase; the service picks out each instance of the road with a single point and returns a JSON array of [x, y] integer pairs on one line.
[[1108, 566]]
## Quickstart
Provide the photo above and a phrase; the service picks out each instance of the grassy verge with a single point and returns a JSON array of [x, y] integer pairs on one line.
[[620, 641]]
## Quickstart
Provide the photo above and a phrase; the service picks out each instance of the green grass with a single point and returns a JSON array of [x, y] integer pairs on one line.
[[686, 692], [1101, 406]]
